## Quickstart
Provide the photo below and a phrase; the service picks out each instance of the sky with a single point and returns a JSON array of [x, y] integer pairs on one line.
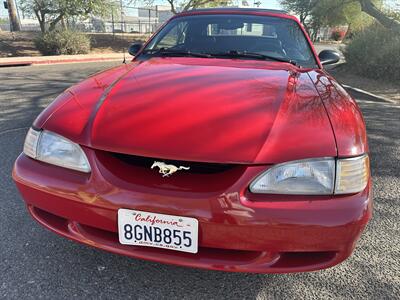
[[272, 4]]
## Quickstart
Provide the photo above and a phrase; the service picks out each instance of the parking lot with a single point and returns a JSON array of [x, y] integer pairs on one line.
[[36, 264]]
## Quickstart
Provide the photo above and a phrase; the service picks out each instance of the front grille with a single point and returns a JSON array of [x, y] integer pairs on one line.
[[195, 167]]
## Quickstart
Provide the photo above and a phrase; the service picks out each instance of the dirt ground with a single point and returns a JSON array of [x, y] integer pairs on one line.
[[17, 44], [21, 43]]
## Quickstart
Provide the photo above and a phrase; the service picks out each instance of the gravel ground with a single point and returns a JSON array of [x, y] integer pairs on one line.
[[37, 264]]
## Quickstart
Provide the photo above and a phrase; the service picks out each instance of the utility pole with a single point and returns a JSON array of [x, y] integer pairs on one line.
[[12, 13], [149, 20], [157, 18], [112, 23], [122, 15]]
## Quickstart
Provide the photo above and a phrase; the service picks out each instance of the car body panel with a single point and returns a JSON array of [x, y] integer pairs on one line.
[[199, 99], [345, 115], [90, 90]]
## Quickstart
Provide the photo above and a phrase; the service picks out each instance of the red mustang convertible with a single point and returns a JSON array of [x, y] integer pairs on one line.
[[223, 145]]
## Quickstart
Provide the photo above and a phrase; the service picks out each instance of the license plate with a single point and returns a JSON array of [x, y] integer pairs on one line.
[[148, 229]]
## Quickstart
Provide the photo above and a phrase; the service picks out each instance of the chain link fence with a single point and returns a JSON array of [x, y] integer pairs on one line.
[[134, 20]]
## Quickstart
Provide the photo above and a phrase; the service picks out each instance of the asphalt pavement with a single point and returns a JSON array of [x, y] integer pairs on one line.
[[37, 264]]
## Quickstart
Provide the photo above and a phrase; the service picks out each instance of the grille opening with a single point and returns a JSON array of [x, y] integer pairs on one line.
[[304, 259], [195, 167], [134, 173]]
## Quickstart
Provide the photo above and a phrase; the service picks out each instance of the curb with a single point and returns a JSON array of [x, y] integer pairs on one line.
[[357, 91], [367, 95], [15, 64], [57, 61]]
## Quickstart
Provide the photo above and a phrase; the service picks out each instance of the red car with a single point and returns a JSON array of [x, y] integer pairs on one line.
[[223, 145]]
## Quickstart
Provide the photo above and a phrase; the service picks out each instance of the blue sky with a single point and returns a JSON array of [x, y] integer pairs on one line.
[[273, 4]]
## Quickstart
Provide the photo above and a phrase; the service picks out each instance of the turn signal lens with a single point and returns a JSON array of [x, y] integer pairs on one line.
[[31, 142], [352, 175]]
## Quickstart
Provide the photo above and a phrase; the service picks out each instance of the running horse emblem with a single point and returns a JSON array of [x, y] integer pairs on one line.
[[167, 170]]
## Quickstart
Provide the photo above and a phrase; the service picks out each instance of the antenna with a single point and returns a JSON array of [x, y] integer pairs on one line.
[[123, 49]]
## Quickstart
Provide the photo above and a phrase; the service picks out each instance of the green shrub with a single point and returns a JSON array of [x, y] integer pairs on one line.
[[62, 42], [375, 53]]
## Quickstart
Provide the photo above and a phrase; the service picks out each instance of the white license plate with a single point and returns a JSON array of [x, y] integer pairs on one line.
[[141, 228]]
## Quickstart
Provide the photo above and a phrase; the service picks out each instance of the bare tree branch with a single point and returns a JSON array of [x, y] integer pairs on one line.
[[171, 2]]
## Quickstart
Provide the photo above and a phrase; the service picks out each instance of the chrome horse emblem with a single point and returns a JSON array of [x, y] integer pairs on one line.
[[167, 170]]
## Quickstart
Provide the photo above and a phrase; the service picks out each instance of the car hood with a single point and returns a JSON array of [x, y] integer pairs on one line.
[[193, 109]]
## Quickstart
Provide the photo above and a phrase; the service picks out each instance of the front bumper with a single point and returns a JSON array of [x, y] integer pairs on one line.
[[238, 231]]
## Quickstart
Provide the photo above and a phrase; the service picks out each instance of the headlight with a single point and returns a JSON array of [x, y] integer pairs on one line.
[[302, 177], [55, 149], [315, 177]]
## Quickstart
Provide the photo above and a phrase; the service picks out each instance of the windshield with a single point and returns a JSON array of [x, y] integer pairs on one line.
[[222, 34]]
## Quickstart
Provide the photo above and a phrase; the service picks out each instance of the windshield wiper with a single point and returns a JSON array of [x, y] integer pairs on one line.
[[171, 52], [231, 54], [245, 54]]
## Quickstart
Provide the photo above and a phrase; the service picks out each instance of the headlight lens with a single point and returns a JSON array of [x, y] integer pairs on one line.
[[308, 177], [315, 177], [55, 149]]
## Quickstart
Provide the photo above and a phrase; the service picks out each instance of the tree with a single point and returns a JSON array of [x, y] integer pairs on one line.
[[54, 12], [302, 8], [316, 13], [341, 12], [386, 20], [12, 12]]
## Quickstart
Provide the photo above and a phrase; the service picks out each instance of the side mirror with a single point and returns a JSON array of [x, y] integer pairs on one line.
[[328, 57], [134, 48]]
